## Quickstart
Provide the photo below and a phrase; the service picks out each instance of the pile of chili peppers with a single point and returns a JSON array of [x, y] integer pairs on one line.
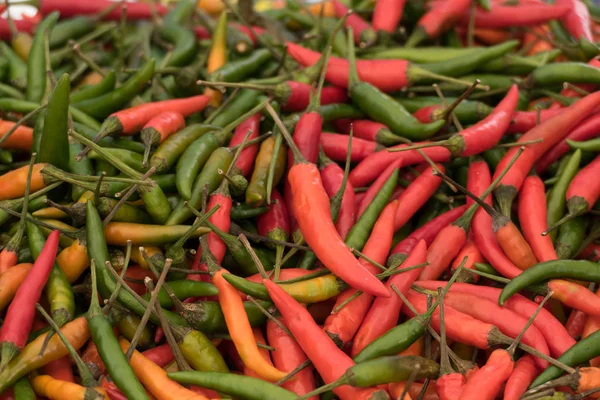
[[372, 199]]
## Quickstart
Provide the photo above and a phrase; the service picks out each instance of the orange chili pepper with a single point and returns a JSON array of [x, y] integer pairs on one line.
[[20, 139], [13, 183], [54, 389], [260, 339], [73, 260], [155, 379], [10, 282]]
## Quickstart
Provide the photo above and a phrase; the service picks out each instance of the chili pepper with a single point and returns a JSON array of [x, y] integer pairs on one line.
[[550, 131], [329, 361], [387, 15], [368, 130], [198, 350], [575, 72], [473, 255], [575, 323], [471, 140], [54, 146], [246, 159], [30, 358], [557, 196], [160, 128], [523, 15], [364, 35], [427, 232], [275, 224], [90, 91], [67, 9], [437, 20], [17, 68], [522, 375], [23, 390], [336, 147], [333, 175], [183, 289], [203, 152], [570, 237], [256, 194], [60, 369], [118, 233], [238, 70], [385, 75], [377, 186], [554, 332], [488, 380], [155, 378], [288, 355], [523, 121], [20, 313], [20, 139], [169, 151], [49, 387], [383, 315], [106, 104], [10, 281], [511, 64], [242, 102], [580, 195], [217, 56], [533, 218], [36, 62]]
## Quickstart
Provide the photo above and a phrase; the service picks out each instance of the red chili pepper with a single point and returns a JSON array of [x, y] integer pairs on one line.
[[483, 234], [364, 34], [591, 252], [588, 129], [336, 147], [386, 75], [21, 312], [22, 25], [222, 220], [377, 185], [367, 130], [522, 375], [275, 224], [328, 360], [160, 355], [387, 15], [137, 273], [131, 120], [437, 20], [383, 314], [159, 128], [427, 232], [523, 121], [370, 168], [575, 296], [69, 9], [527, 14], [342, 325], [487, 382], [251, 33], [287, 356], [509, 322], [60, 369], [576, 323], [246, 158], [592, 324], [554, 332], [332, 176], [201, 32], [472, 254], [577, 20], [551, 132], [416, 195], [299, 96], [533, 218]]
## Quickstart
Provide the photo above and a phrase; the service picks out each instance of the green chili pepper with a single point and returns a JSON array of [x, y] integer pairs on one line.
[[571, 235], [92, 91], [184, 44], [589, 145], [382, 371], [126, 213], [306, 291], [578, 354], [37, 201], [17, 68], [184, 289], [207, 316], [127, 324], [557, 73], [199, 351], [556, 200], [36, 63], [359, 234], [54, 143], [22, 390], [467, 111], [244, 101], [102, 106], [235, 385], [193, 159], [421, 55], [559, 269], [245, 211], [238, 70], [110, 352], [494, 156], [487, 268], [464, 65], [22, 106], [169, 151], [512, 64], [70, 29], [58, 288], [134, 160]]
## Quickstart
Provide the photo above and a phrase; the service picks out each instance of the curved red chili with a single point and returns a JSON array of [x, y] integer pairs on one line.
[[332, 176], [525, 14], [387, 15], [486, 383], [335, 147], [437, 20], [521, 377], [364, 34], [577, 20], [523, 121], [246, 158], [69, 9], [416, 195], [377, 185]]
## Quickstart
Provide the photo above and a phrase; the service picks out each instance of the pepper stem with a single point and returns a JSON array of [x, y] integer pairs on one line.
[[353, 78], [568, 217], [513, 346], [445, 366], [117, 290], [298, 157], [448, 111], [259, 265]]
